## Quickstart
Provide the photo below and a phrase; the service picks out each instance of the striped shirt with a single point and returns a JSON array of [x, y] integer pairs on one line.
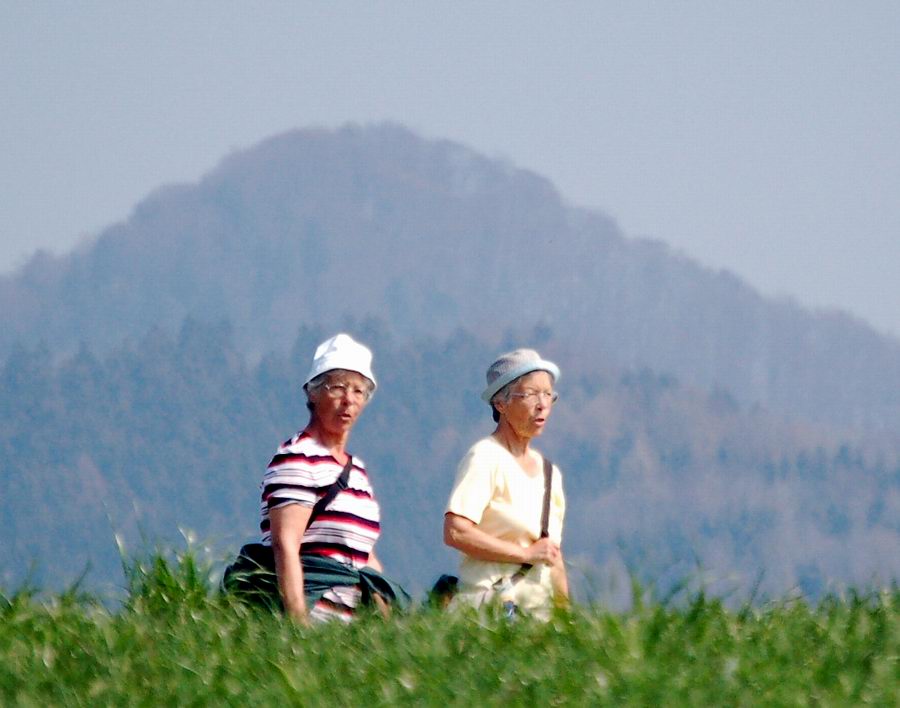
[[346, 531]]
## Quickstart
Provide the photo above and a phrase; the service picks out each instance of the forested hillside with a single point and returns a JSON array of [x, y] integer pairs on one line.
[[703, 429], [316, 225], [171, 432]]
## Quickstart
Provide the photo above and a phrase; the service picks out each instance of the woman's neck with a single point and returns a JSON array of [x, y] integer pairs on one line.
[[333, 442], [516, 444]]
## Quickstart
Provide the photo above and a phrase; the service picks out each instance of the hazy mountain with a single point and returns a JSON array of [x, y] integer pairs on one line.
[[428, 235], [146, 378]]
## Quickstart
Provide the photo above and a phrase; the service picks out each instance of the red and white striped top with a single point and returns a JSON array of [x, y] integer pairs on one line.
[[346, 531]]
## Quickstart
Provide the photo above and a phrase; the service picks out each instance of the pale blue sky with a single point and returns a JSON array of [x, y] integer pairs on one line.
[[761, 137]]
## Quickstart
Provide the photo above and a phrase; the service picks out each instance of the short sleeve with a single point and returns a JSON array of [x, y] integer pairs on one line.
[[474, 486], [295, 478]]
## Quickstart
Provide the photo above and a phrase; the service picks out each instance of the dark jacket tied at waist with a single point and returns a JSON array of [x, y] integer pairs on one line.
[[252, 577]]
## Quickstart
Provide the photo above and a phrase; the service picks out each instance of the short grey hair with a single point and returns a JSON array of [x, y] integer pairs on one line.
[[504, 394], [314, 384]]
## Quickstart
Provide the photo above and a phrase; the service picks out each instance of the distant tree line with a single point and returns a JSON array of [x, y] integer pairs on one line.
[[170, 433]]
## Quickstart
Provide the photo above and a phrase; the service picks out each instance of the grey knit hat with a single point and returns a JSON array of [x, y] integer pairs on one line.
[[510, 366]]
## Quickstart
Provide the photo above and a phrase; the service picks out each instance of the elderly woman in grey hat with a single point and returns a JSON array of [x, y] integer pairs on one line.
[[504, 515], [319, 516]]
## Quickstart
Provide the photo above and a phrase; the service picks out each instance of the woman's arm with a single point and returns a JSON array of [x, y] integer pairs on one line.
[[288, 526], [382, 606], [464, 535], [374, 562], [560, 581]]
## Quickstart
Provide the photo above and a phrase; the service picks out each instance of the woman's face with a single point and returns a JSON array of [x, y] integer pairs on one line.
[[529, 404], [339, 401]]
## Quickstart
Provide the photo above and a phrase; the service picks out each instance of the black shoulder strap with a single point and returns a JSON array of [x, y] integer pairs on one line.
[[339, 484], [545, 516], [545, 511]]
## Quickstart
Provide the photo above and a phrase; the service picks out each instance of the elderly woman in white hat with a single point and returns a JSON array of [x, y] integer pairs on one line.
[[319, 513], [506, 509]]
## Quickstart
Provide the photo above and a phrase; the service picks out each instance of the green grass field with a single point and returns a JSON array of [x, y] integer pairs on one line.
[[175, 641]]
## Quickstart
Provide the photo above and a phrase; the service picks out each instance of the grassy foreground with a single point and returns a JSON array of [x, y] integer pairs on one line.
[[177, 642]]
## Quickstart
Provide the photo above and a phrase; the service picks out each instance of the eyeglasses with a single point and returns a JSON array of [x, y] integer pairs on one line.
[[550, 397], [352, 391]]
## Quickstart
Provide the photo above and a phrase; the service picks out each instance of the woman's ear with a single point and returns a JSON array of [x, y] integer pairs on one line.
[[312, 397]]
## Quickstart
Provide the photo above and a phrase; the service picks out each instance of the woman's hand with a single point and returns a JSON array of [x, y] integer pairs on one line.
[[543, 551], [546, 552]]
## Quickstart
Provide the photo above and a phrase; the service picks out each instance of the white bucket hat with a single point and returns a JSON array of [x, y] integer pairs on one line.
[[342, 352], [511, 366]]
